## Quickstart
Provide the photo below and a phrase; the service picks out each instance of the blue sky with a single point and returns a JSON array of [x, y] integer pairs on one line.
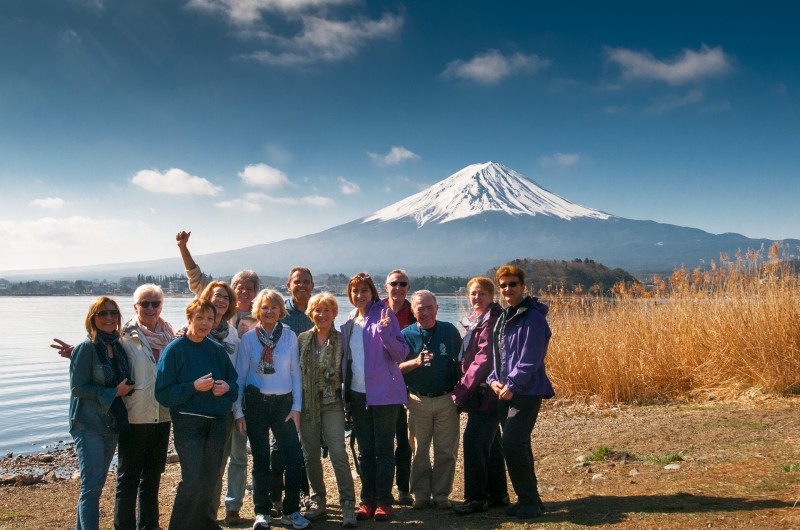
[[256, 120]]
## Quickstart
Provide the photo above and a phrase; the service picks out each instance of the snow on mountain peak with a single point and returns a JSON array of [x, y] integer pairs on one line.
[[479, 188]]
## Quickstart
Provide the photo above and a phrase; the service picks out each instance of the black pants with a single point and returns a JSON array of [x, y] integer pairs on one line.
[[141, 456], [402, 454], [278, 472], [374, 428], [484, 466], [263, 414], [199, 442], [518, 418]]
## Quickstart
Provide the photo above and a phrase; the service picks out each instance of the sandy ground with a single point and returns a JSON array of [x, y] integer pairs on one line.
[[731, 473]]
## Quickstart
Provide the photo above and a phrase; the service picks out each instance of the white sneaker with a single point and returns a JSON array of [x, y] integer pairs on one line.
[[297, 521], [262, 522]]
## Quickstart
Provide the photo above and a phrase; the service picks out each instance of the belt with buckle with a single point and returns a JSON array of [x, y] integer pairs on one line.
[[430, 394]]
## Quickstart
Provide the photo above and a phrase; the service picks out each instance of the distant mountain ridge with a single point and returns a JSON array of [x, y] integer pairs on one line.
[[479, 217]]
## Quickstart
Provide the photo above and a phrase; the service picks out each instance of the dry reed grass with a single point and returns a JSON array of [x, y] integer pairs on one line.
[[717, 332]]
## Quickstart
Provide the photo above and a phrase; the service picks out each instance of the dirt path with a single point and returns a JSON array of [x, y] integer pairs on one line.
[[729, 474]]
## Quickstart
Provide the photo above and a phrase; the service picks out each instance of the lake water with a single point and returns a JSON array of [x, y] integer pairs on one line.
[[34, 393]]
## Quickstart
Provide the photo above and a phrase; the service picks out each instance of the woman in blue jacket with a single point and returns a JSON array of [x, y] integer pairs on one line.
[[98, 378], [519, 379], [374, 390]]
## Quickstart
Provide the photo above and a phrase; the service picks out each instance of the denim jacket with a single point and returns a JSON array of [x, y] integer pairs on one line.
[[90, 400]]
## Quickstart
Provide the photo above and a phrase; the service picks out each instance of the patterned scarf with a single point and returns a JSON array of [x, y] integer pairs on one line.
[[469, 323], [219, 334], [114, 372], [268, 341]]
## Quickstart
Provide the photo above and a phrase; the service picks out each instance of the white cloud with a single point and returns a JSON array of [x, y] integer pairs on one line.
[[326, 40], [309, 200], [347, 187], [248, 12], [560, 160], [49, 203], [672, 102], [241, 205], [277, 154], [311, 33], [174, 182], [396, 155], [492, 66], [688, 67], [264, 176], [51, 242]]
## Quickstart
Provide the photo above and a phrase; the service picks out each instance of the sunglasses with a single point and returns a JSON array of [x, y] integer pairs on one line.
[[147, 303], [361, 276], [401, 284], [107, 313], [509, 285]]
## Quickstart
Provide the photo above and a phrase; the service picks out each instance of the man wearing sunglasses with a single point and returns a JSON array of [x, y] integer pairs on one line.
[[397, 287]]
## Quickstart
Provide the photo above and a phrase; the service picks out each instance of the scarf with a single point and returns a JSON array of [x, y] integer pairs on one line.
[[161, 335], [114, 372], [469, 323], [219, 334], [268, 342]]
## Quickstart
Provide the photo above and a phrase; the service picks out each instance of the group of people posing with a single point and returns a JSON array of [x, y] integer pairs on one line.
[[251, 366]]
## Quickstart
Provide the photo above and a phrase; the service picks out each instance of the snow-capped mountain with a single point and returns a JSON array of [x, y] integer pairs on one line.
[[478, 218], [481, 188]]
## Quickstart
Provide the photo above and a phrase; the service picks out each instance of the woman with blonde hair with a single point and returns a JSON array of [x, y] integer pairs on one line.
[[270, 398], [99, 377], [484, 468], [323, 413], [374, 390]]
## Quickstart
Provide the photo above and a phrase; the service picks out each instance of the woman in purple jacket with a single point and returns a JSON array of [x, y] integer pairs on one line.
[[484, 468], [521, 336], [374, 390]]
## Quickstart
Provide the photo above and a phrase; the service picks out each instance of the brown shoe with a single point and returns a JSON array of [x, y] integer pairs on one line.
[[232, 518], [443, 505]]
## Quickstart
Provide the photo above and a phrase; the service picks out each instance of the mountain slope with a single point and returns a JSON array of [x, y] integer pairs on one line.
[[481, 188]]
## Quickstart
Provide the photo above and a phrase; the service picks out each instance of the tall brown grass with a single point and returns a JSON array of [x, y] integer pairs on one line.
[[724, 330]]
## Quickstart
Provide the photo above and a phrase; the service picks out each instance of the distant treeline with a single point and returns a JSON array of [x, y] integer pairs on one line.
[[579, 276]]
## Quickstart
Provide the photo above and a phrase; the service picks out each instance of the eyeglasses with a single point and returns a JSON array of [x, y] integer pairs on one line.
[[361, 276], [401, 284], [217, 296], [149, 303], [107, 313], [509, 285]]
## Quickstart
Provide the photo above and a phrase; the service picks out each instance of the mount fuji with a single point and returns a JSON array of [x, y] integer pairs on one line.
[[480, 217]]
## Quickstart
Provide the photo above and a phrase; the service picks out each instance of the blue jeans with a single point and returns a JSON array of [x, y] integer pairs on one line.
[[518, 418], [199, 442], [142, 456], [375, 429], [95, 451], [484, 467], [237, 471], [264, 413]]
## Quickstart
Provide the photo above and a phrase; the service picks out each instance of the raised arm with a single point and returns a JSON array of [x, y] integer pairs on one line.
[[197, 280]]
